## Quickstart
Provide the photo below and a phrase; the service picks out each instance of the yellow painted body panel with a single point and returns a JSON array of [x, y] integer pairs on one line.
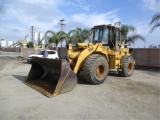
[[77, 55]]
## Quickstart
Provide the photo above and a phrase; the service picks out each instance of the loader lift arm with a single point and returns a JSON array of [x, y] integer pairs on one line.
[[77, 58]]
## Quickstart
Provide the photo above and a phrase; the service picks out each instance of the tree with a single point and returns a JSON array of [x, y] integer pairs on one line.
[[54, 39], [48, 39], [129, 33], [62, 36], [73, 36], [57, 37], [2, 39], [155, 22], [30, 45], [78, 35]]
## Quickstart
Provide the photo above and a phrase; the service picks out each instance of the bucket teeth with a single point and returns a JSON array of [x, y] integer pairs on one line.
[[51, 77]]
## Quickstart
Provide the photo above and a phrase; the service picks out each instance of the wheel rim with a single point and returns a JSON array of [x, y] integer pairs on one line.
[[130, 65], [100, 70]]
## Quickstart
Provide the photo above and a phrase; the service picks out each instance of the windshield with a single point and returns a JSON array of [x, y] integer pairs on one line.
[[101, 34], [98, 34]]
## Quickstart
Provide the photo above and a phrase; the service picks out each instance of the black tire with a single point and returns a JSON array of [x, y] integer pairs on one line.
[[95, 69], [127, 66]]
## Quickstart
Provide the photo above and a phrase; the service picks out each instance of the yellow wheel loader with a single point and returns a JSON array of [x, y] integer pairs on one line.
[[90, 61]]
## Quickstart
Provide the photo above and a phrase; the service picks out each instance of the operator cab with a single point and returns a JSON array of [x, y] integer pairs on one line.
[[107, 34]]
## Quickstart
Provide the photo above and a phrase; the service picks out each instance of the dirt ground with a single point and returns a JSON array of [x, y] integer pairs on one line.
[[118, 98]]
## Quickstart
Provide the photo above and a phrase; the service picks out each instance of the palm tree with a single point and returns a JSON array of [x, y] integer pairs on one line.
[[53, 40], [129, 33], [155, 22], [47, 38], [62, 36], [57, 37], [78, 35]]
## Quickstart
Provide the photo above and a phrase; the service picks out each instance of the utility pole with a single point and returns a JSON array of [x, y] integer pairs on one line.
[[61, 24], [32, 30]]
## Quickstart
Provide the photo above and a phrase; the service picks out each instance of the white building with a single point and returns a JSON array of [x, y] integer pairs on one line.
[[3, 43], [27, 38], [10, 43], [40, 36], [35, 38]]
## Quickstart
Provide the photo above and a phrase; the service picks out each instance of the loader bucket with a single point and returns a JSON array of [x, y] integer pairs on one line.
[[51, 77]]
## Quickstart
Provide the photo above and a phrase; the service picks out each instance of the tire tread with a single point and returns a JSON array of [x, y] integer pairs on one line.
[[86, 71]]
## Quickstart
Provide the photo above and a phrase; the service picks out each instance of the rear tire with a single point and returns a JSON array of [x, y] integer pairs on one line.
[[127, 66], [95, 69]]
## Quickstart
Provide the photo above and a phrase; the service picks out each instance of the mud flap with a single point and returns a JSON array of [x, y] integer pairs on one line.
[[51, 77]]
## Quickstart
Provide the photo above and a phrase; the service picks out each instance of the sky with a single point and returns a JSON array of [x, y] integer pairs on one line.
[[17, 16]]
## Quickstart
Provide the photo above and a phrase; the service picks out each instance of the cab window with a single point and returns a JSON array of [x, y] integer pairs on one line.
[[98, 33], [105, 36]]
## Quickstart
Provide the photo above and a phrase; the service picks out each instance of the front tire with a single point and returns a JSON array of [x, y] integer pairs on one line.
[[127, 66], [95, 69]]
